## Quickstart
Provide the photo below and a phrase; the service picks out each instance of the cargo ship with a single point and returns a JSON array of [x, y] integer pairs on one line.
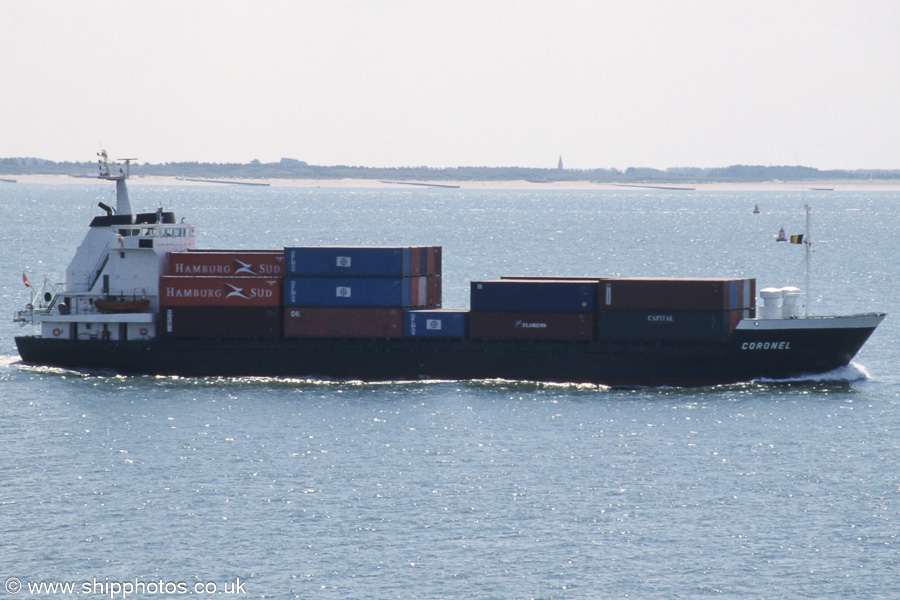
[[139, 298]]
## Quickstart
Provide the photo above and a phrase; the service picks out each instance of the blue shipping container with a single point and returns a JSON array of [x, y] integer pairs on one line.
[[422, 266], [388, 292], [545, 295], [344, 261], [444, 323]]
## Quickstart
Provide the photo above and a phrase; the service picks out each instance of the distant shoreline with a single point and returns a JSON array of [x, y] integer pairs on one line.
[[674, 187]]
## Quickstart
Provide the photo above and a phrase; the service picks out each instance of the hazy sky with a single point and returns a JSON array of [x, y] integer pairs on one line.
[[604, 83]]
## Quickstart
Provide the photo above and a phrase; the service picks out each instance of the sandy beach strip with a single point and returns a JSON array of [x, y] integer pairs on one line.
[[837, 185]]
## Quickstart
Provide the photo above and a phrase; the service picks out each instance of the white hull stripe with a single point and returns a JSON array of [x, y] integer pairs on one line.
[[839, 322]]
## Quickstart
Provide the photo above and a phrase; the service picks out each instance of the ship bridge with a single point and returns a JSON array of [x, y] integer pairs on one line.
[[112, 283]]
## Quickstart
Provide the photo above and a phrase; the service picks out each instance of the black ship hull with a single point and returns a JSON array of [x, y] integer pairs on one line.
[[756, 349]]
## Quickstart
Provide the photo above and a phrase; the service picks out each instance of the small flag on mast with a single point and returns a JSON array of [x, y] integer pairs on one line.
[[797, 239], [25, 280]]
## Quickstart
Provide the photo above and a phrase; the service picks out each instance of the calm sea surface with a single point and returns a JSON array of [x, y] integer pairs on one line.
[[149, 486]]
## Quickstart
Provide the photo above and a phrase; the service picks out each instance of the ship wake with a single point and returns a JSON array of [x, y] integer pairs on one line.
[[8, 360], [848, 374]]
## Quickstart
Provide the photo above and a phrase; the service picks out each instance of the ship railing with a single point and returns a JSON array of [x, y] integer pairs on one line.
[[128, 295], [138, 293], [44, 300], [24, 316], [28, 314]]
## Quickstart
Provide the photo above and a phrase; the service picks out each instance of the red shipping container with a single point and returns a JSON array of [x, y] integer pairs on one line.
[[425, 291], [531, 326], [219, 291], [343, 322], [220, 322], [417, 292], [226, 263]]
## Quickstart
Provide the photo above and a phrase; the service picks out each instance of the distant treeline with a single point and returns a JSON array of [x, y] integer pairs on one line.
[[289, 168]]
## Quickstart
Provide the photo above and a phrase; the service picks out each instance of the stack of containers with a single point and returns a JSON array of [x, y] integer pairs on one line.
[[673, 309], [222, 293], [533, 309], [668, 308], [357, 291]]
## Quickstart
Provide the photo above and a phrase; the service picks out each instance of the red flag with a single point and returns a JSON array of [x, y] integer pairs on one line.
[[25, 280]]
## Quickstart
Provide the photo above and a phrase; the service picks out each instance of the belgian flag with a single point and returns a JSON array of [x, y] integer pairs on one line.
[[797, 239]]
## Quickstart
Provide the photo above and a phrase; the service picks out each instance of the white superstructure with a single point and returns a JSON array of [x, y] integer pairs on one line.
[[112, 283]]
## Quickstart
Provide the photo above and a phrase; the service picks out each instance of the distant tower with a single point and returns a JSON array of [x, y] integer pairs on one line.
[[559, 166]]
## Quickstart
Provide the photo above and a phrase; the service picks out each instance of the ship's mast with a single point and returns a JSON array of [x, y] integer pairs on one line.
[[123, 204], [807, 244]]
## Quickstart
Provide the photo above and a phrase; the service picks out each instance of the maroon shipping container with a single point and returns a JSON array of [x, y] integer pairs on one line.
[[435, 291], [220, 291], [415, 261], [658, 293], [250, 263], [343, 322], [220, 322], [433, 260], [531, 326]]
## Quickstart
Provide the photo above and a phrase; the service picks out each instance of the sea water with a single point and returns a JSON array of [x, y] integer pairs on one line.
[[147, 487]]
